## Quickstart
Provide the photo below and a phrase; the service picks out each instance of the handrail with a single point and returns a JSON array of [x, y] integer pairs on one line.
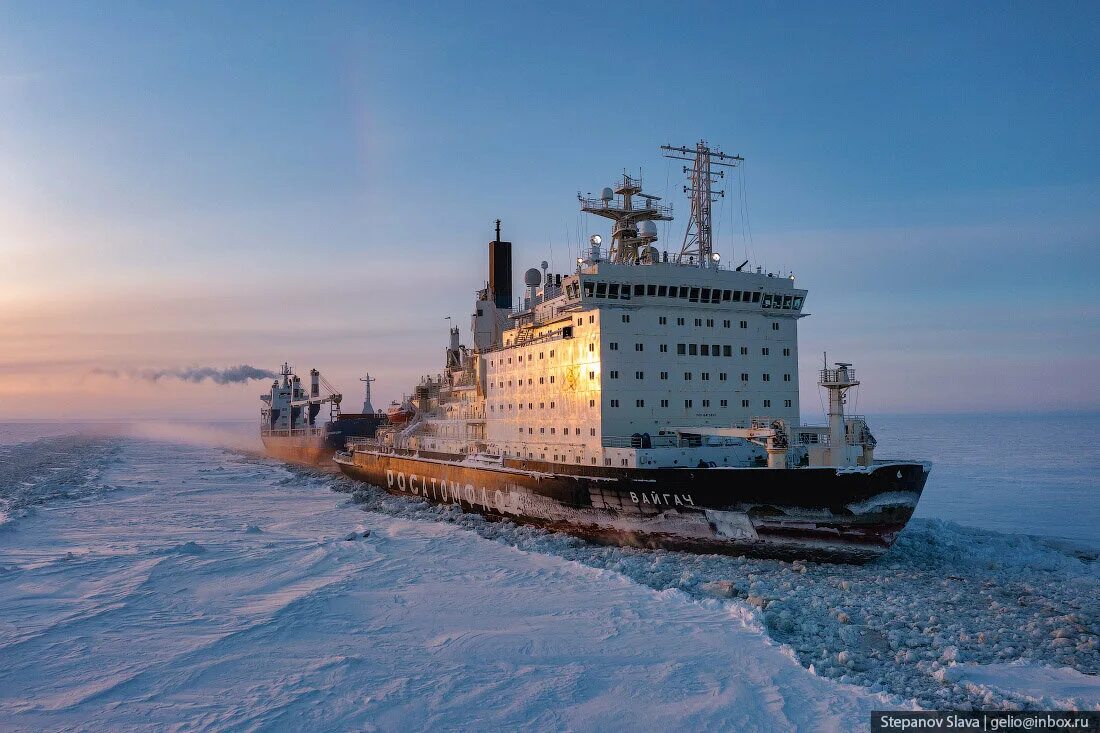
[[291, 432]]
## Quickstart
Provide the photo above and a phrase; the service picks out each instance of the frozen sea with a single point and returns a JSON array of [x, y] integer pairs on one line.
[[168, 578]]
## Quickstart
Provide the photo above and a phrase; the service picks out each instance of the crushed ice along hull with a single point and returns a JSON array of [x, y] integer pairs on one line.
[[846, 515]]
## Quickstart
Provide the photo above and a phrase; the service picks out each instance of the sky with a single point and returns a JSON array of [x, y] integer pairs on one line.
[[214, 184]]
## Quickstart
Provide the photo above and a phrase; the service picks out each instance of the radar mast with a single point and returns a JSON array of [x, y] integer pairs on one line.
[[698, 243], [631, 236]]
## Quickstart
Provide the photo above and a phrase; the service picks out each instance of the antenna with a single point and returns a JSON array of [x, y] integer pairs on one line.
[[698, 239], [498, 230], [633, 207], [368, 408]]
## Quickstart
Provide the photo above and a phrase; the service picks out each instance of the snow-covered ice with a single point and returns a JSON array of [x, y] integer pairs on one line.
[[149, 600], [944, 595], [180, 585]]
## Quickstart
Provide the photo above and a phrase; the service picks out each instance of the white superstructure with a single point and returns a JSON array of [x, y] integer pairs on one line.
[[637, 358]]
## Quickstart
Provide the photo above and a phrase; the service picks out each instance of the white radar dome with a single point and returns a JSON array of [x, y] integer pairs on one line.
[[532, 277], [607, 194], [647, 230], [652, 255]]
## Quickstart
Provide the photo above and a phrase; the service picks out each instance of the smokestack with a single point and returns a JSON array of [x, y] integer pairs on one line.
[[500, 271], [314, 383]]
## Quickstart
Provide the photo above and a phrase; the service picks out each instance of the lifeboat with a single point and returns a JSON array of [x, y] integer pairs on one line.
[[399, 414]]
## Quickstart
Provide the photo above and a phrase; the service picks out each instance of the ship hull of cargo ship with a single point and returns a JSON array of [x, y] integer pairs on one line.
[[316, 447], [827, 514]]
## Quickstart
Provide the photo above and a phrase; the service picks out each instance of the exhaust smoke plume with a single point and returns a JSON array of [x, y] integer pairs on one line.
[[230, 375]]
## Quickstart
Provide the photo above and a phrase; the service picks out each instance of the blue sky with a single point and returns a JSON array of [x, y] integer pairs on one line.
[[189, 183]]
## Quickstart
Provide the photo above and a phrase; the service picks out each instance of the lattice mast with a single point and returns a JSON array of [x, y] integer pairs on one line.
[[698, 246]]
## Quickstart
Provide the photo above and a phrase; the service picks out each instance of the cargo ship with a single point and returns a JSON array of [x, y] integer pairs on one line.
[[647, 398], [289, 426]]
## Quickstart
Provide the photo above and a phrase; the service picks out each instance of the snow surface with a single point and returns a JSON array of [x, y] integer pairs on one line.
[[182, 586], [186, 588], [944, 595]]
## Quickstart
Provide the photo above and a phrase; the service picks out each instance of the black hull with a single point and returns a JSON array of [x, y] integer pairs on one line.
[[846, 515]]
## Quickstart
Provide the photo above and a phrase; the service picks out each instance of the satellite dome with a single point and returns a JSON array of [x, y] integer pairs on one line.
[[607, 194], [652, 255], [647, 229], [532, 277]]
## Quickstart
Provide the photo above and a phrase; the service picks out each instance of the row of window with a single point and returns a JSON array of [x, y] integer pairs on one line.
[[564, 431], [624, 291], [614, 374], [703, 376], [616, 403]]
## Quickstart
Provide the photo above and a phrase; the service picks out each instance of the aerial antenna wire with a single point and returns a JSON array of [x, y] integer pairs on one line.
[[747, 228]]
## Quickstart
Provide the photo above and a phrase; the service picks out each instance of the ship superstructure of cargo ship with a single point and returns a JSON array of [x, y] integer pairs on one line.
[[289, 419], [646, 398]]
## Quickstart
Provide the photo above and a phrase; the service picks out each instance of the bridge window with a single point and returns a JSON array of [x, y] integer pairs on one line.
[[662, 291]]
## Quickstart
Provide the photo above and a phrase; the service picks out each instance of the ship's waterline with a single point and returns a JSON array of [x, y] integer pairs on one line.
[[715, 517]]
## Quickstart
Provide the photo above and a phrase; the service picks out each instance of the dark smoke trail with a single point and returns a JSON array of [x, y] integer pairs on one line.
[[231, 375]]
